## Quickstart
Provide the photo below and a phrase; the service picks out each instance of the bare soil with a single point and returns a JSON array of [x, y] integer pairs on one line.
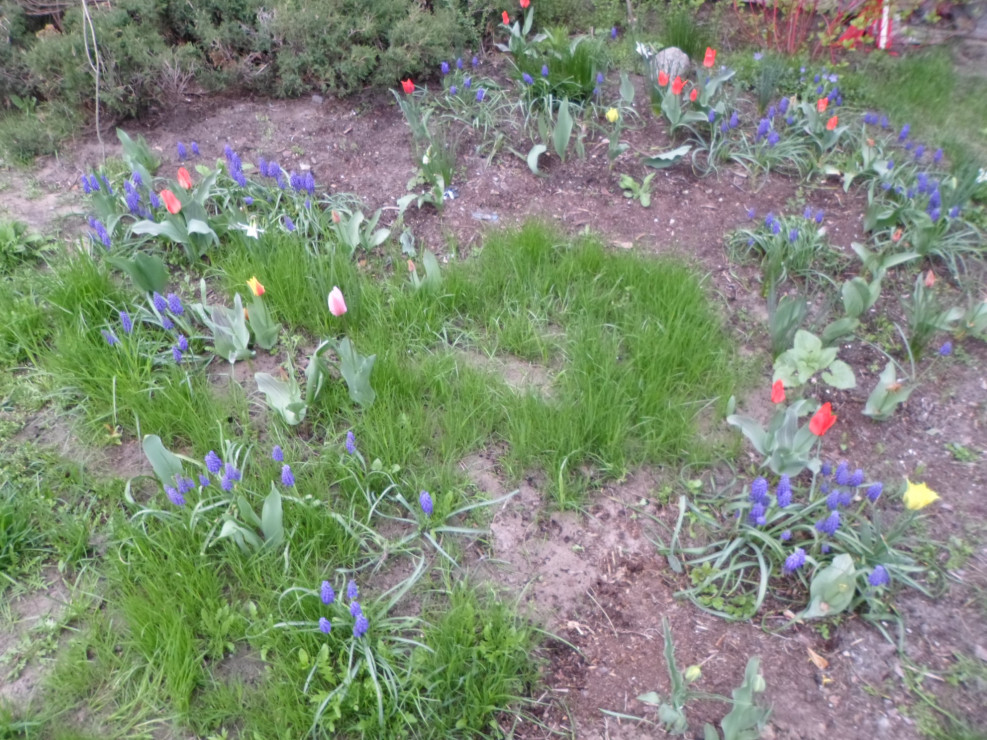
[[595, 578]]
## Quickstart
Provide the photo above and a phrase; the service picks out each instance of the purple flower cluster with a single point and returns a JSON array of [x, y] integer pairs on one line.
[[235, 166], [425, 501], [99, 232], [772, 223], [760, 499], [302, 182]]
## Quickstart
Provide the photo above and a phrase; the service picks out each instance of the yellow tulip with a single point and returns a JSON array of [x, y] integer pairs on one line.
[[919, 495], [612, 115]]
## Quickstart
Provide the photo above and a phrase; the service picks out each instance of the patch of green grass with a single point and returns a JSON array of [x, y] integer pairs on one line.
[[944, 107], [639, 351]]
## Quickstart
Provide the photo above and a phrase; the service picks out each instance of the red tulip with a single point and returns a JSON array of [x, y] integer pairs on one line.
[[778, 392], [710, 59], [822, 420], [662, 78], [821, 104], [677, 85], [525, 3], [171, 202], [184, 178], [507, 19], [693, 95], [832, 123], [930, 279], [408, 86]]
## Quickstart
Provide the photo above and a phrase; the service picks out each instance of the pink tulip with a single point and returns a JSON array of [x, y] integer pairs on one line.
[[337, 306]]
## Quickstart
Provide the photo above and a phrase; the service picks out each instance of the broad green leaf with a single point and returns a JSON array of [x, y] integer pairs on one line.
[[147, 271], [356, 370], [832, 588], [264, 328], [751, 429], [165, 463], [839, 329], [563, 130], [887, 395], [283, 397], [839, 375], [667, 159], [536, 151], [856, 297], [164, 228], [272, 523]]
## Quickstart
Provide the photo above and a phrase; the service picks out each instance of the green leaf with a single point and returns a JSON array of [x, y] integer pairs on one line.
[[626, 89], [283, 397], [165, 463], [832, 588], [147, 271], [839, 329], [164, 228], [856, 297], [563, 130], [887, 395], [751, 429], [536, 151], [356, 370], [839, 375], [272, 519], [265, 329], [667, 159]]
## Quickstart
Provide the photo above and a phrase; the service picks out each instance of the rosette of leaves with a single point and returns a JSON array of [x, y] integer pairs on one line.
[[808, 356]]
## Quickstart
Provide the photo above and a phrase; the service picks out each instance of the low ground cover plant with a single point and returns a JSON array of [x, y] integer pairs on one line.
[[305, 416]]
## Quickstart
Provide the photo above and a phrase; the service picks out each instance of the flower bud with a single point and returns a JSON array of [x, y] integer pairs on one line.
[[692, 673]]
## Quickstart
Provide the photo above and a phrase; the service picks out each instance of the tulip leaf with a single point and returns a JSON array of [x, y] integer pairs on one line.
[[832, 588], [667, 159], [563, 130], [536, 151], [285, 397], [165, 463], [265, 329], [356, 369], [164, 228], [272, 519], [148, 271], [887, 395]]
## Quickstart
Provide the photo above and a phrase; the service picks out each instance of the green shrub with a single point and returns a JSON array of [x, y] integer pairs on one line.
[[378, 44]]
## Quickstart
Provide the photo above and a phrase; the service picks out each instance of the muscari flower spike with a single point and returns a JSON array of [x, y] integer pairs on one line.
[[287, 477], [350, 443], [425, 501], [874, 491], [352, 592], [830, 524], [325, 626], [277, 454], [784, 492], [213, 462], [360, 626], [879, 576], [795, 561], [326, 593]]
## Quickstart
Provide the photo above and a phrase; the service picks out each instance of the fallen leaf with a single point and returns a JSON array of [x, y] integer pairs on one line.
[[821, 663]]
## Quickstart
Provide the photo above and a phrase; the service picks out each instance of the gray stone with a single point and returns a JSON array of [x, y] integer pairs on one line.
[[672, 61]]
